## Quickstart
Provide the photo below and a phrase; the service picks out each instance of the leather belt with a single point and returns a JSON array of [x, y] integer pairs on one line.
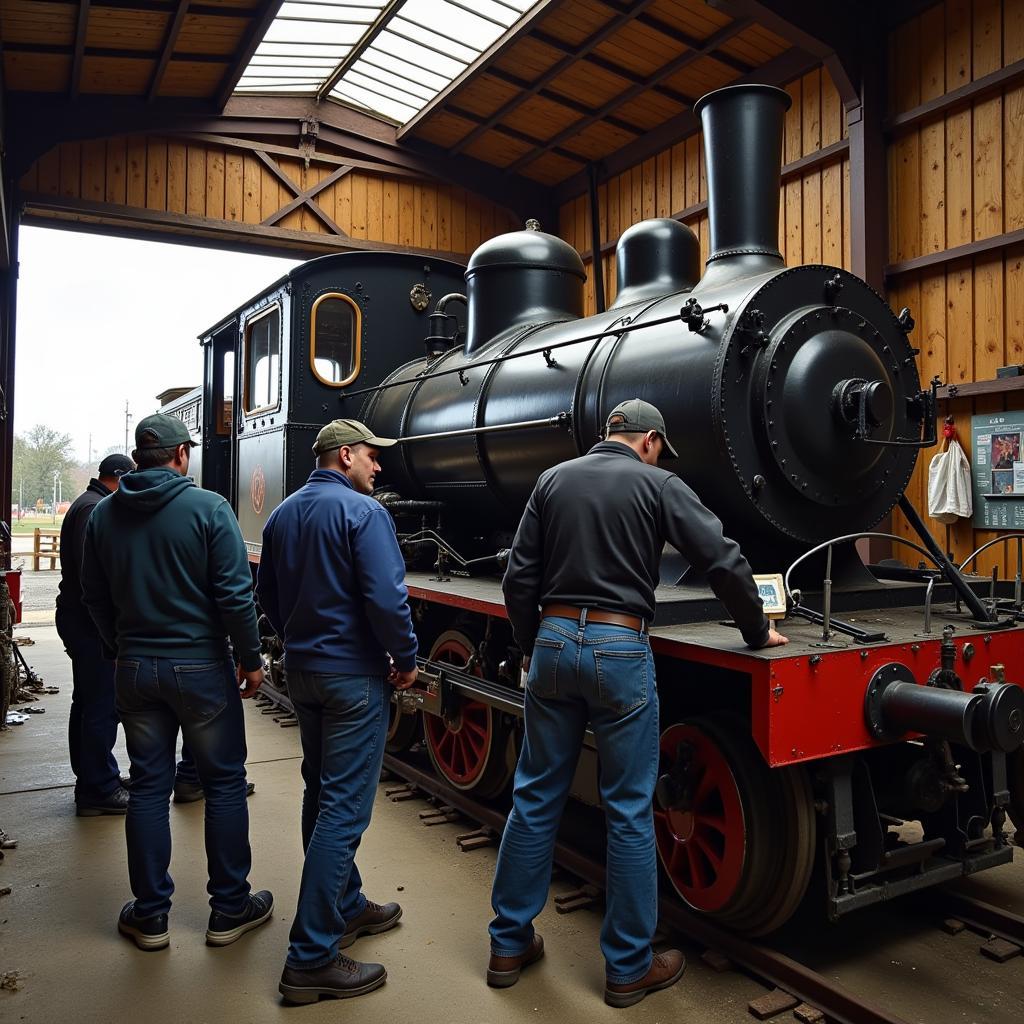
[[568, 611]]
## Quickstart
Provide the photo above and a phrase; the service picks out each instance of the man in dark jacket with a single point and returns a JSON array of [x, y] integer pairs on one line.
[[331, 582], [92, 725], [579, 590], [166, 579]]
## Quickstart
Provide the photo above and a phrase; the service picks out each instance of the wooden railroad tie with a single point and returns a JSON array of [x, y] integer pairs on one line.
[[771, 1004], [807, 1014], [716, 961], [475, 840], [1000, 950], [579, 899], [439, 815], [399, 793]]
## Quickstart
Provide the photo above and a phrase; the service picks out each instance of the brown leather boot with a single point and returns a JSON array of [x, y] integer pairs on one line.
[[503, 971], [372, 921], [666, 969], [340, 979]]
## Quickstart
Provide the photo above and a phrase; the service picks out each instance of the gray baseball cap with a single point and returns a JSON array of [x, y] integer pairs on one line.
[[635, 416], [342, 432]]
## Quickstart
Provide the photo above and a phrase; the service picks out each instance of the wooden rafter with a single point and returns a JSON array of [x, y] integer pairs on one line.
[[170, 41], [786, 67], [707, 47], [79, 51], [612, 67], [595, 39], [556, 97], [262, 18], [517, 134]]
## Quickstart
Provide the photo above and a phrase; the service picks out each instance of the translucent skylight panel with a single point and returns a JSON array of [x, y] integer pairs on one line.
[[422, 47]]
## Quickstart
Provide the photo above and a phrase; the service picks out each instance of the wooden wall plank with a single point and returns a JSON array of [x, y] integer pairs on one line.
[[156, 174], [176, 177], [70, 169], [116, 188], [195, 181], [359, 194], [215, 184], [233, 186], [94, 170]]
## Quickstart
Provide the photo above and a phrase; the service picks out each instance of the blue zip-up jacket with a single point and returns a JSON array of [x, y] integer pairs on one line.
[[332, 581], [165, 572]]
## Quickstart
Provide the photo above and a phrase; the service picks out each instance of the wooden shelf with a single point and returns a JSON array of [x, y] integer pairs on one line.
[[975, 389]]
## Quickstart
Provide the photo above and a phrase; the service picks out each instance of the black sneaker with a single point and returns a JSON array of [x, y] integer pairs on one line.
[[116, 803], [341, 979], [227, 928], [190, 792], [148, 933]]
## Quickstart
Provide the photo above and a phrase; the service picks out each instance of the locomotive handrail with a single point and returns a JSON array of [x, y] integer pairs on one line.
[[462, 370], [1017, 583]]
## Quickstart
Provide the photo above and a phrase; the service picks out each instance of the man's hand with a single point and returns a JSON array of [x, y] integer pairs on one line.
[[249, 682], [403, 680], [775, 639]]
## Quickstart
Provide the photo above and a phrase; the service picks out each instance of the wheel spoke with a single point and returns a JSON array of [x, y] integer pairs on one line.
[[696, 872], [712, 822], [709, 855]]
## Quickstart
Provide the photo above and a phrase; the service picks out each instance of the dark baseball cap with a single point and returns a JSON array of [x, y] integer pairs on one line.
[[161, 431], [342, 432], [635, 416], [115, 465]]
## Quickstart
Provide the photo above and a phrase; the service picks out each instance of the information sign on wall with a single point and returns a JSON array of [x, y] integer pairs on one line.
[[997, 470]]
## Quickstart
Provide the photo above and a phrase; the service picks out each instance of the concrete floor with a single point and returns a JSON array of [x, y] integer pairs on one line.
[[69, 879]]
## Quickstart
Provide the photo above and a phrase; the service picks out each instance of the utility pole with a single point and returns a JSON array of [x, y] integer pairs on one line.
[[53, 506], [127, 420]]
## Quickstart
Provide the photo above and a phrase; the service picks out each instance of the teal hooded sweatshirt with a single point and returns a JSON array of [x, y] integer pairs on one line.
[[165, 572]]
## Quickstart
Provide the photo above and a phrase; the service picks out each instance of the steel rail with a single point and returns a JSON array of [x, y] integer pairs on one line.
[[979, 915], [837, 1003]]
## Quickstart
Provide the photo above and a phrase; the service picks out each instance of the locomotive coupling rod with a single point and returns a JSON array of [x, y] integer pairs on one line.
[[991, 717]]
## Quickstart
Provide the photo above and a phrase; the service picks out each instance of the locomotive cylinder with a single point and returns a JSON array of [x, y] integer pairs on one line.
[[991, 717]]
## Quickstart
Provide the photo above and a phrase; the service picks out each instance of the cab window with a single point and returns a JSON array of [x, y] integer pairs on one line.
[[263, 361], [334, 345]]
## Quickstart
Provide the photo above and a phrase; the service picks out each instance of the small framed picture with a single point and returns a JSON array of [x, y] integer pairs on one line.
[[1005, 450], [1002, 481]]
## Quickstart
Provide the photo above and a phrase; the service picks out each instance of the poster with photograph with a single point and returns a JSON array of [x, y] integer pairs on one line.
[[997, 470]]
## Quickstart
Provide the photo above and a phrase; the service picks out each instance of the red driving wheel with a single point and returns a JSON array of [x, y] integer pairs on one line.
[[702, 847], [469, 748]]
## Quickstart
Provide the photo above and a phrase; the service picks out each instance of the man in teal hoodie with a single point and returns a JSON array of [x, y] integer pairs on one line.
[[166, 579]]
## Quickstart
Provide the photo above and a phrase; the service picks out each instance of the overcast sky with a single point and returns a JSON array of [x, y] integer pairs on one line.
[[106, 320]]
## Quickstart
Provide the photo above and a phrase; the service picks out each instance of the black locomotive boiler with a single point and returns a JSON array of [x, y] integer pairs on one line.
[[884, 750]]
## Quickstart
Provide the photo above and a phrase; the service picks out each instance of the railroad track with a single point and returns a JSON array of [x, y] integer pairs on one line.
[[837, 1003]]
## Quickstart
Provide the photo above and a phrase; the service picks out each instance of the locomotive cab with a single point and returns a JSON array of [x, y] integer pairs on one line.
[[282, 365]]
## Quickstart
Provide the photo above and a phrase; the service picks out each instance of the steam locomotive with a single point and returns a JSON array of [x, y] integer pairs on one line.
[[875, 749]]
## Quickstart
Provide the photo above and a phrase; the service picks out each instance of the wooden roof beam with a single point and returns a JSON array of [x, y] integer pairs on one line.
[[707, 47], [831, 32], [592, 41], [612, 68], [75, 81], [262, 17], [557, 97], [519, 136], [782, 69], [170, 41]]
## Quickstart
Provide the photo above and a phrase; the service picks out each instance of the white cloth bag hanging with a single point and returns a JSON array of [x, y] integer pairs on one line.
[[949, 485]]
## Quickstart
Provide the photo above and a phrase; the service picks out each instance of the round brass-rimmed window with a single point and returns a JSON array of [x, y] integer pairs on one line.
[[334, 342]]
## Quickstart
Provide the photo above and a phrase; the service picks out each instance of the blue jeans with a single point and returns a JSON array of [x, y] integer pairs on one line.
[[603, 674], [92, 724], [156, 697], [343, 723]]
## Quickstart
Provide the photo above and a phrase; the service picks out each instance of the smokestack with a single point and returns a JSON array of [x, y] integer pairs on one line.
[[743, 150]]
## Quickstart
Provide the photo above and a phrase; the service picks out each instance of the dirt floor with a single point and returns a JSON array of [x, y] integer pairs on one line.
[[68, 879]]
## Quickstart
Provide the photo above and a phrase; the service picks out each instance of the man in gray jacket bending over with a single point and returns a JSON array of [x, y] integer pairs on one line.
[[580, 595]]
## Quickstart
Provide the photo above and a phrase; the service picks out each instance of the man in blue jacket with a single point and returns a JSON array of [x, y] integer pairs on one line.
[[331, 582], [166, 579]]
